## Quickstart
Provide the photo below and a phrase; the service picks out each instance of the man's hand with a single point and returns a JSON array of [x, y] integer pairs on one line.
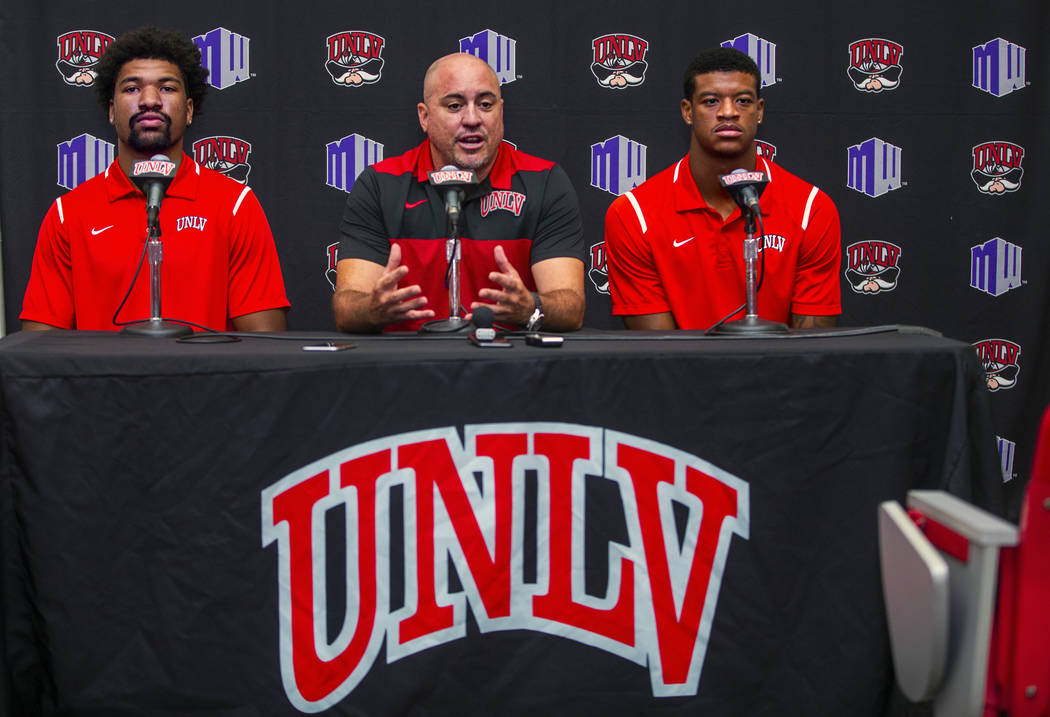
[[367, 296], [512, 302]]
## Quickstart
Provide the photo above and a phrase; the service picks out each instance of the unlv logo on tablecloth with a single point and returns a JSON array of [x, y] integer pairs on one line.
[[354, 57], [662, 589], [619, 60], [997, 167], [228, 155], [875, 64], [78, 53], [871, 266], [1000, 359]]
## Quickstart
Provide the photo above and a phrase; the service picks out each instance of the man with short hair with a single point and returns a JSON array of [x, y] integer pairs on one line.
[[675, 243], [220, 267], [521, 236]]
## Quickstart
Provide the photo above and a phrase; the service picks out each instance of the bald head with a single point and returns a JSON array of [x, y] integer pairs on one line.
[[452, 65], [462, 113]]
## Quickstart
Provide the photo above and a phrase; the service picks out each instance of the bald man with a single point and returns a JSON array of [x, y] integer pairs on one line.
[[520, 231]]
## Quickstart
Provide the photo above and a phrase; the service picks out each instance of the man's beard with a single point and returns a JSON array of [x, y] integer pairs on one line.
[[148, 141]]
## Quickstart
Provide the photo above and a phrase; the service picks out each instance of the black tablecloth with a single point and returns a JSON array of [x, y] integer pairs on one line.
[[147, 570]]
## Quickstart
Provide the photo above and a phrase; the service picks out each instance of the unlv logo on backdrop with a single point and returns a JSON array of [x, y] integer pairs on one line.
[[619, 60], [999, 357], [354, 57], [997, 167], [228, 155], [765, 149], [871, 266], [875, 64], [599, 271], [78, 53], [662, 587], [332, 250]]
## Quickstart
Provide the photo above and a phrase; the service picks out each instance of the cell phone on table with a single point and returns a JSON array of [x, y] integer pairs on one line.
[[329, 346]]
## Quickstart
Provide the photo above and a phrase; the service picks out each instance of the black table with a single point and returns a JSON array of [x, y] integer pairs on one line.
[[629, 524]]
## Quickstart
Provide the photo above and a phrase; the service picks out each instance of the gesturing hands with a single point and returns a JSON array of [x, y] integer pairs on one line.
[[512, 303], [389, 304]]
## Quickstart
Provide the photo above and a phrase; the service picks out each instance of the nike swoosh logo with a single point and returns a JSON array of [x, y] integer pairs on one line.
[[410, 205], [96, 232], [684, 241]]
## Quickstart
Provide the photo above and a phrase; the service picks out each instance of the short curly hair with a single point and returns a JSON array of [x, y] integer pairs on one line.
[[152, 43], [719, 59]]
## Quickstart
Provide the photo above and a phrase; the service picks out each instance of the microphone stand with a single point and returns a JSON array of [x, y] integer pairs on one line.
[[751, 324], [155, 326], [454, 322]]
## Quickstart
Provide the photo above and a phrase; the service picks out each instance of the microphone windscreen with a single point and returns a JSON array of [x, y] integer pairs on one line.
[[483, 317]]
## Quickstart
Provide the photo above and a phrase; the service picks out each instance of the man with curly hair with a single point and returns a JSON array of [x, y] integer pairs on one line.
[[220, 263]]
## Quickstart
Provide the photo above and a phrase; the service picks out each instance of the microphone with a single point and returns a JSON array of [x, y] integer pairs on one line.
[[153, 176], [745, 187], [483, 318], [453, 181]]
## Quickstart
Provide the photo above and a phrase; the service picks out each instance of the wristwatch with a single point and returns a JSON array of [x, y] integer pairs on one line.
[[536, 319]]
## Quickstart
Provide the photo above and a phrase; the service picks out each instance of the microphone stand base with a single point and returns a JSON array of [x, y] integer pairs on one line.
[[750, 326], [157, 329], [444, 326]]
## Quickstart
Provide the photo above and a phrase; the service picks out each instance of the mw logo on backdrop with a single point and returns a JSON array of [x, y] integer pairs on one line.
[[226, 56], [354, 57], [875, 64], [999, 67], [78, 53], [995, 266], [1006, 457], [81, 158], [617, 164], [599, 271], [873, 167], [348, 157], [1000, 360], [997, 167], [763, 52], [873, 266], [461, 503], [227, 155], [619, 60], [500, 52]]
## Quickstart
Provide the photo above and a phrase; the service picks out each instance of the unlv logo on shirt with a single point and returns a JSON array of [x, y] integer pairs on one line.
[[661, 591]]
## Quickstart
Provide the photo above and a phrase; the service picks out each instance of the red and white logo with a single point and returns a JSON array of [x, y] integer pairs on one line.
[[78, 53], [662, 590], [619, 60], [354, 57], [502, 199]]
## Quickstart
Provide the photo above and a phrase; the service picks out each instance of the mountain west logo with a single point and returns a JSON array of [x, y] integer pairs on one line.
[[873, 167], [502, 199], [997, 167], [871, 266], [599, 271], [81, 158], [501, 53], [995, 266], [998, 67], [332, 250], [354, 57], [999, 357], [765, 149], [228, 155], [1006, 457], [348, 157], [225, 55], [875, 65], [617, 164], [619, 60], [660, 594], [78, 53], [763, 52]]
